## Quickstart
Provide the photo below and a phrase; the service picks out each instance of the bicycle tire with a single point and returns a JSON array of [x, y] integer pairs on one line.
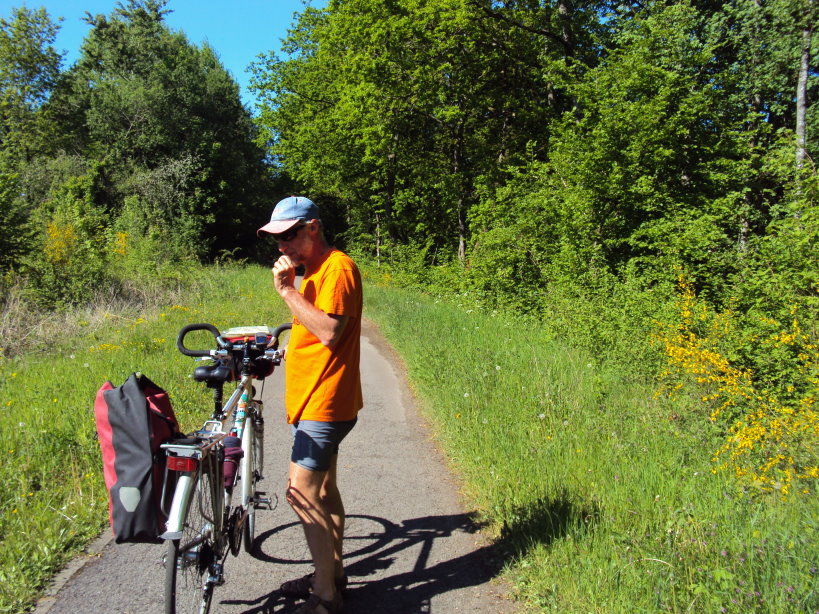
[[250, 475], [258, 428], [188, 589]]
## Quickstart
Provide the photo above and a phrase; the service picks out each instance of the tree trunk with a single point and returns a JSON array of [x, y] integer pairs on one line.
[[564, 14], [378, 239], [802, 97], [457, 171], [389, 199], [461, 231]]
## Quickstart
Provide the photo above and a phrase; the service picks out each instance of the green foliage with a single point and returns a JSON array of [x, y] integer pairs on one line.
[[29, 66], [773, 283], [70, 261], [543, 146], [166, 212], [399, 108], [170, 115], [645, 171], [758, 53]]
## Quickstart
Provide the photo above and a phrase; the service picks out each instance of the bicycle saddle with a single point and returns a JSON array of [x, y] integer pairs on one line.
[[213, 374]]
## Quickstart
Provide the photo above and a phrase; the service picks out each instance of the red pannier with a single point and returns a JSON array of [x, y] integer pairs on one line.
[[133, 421]]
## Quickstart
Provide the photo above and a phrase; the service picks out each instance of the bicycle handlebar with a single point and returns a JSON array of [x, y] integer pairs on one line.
[[278, 331], [180, 339], [221, 343]]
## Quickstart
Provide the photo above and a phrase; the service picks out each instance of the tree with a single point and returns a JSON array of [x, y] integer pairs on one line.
[[29, 67], [646, 173], [763, 55], [143, 99]]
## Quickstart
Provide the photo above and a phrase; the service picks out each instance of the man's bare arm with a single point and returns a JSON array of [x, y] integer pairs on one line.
[[327, 327]]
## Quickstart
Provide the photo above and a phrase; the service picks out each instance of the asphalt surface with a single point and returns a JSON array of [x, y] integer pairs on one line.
[[410, 546]]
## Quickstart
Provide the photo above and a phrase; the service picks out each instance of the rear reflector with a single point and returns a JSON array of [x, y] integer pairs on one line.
[[181, 463]]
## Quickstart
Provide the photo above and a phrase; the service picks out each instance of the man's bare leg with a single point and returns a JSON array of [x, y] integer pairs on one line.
[[304, 494], [335, 507]]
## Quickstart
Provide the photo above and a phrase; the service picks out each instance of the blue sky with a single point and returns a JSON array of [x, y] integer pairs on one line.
[[238, 30]]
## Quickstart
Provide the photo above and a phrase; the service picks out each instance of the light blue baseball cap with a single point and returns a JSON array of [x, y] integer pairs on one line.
[[289, 212]]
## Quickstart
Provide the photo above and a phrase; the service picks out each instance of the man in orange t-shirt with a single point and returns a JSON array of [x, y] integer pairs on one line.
[[322, 388]]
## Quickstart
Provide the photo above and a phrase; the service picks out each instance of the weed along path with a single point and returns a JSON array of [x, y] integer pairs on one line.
[[410, 547]]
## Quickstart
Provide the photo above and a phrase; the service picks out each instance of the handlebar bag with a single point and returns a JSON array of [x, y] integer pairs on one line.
[[133, 421]]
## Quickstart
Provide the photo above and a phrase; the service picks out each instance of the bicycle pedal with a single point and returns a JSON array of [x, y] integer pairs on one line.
[[260, 500]]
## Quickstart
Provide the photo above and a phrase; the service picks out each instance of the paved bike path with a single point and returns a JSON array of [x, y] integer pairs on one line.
[[410, 547]]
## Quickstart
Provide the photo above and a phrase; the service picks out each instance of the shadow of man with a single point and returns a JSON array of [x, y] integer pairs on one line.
[[373, 553]]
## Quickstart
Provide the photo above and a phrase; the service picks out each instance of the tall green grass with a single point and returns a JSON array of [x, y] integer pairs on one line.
[[601, 495], [53, 498]]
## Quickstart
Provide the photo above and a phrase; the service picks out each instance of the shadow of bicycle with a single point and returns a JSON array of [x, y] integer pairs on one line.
[[376, 546]]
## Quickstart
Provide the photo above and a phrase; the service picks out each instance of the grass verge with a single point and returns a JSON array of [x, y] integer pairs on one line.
[[53, 499], [602, 498]]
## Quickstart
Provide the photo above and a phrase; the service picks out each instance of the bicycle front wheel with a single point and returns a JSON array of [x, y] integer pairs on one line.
[[190, 560], [251, 469]]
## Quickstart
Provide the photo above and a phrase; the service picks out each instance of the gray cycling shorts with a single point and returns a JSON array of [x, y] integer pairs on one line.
[[315, 443]]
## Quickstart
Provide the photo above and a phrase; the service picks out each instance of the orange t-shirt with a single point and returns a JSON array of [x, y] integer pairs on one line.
[[321, 383]]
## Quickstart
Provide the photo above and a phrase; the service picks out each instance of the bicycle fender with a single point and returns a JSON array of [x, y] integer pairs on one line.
[[179, 506]]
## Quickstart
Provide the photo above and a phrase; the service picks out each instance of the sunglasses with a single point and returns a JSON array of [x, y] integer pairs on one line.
[[289, 234]]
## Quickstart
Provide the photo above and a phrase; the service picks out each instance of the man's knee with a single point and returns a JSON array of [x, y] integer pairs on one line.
[[303, 494], [294, 497]]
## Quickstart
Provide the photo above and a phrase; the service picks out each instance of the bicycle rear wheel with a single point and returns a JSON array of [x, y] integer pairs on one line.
[[191, 560]]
